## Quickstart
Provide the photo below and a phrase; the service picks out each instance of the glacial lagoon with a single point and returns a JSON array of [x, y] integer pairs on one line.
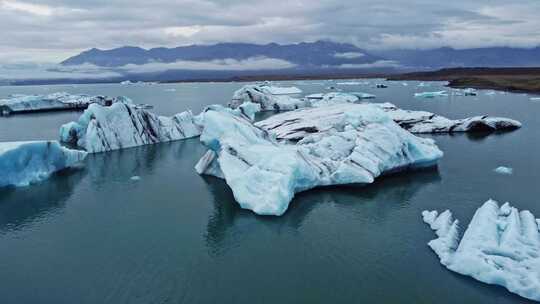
[[97, 235]]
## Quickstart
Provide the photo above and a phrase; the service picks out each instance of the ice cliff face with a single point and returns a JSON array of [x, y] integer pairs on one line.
[[353, 146], [122, 125], [501, 246], [57, 101], [270, 98], [23, 163]]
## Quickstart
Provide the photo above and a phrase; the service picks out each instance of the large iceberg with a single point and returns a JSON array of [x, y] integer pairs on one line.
[[18, 103], [23, 163], [347, 147], [271, 98], [427, 122], [295, 125], [501, 246], [123, 125]]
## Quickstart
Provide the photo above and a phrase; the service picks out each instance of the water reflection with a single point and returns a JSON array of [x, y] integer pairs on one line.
[[228, 223], [23, 205], [120, 165]]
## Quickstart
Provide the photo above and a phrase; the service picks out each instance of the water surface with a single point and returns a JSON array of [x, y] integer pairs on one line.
[[92, 235]]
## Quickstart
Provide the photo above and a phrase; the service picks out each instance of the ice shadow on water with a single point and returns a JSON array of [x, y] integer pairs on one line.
[[120, 165], [478, 136], [228, 223], [20, 206]]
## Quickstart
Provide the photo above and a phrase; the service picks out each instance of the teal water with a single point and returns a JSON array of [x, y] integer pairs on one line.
[[92, 235]]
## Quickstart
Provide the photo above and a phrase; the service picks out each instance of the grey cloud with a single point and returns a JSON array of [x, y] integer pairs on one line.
[[71, 26]]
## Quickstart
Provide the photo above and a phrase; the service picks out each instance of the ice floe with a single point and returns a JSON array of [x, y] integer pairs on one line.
[[427, 122], [501, 246], [123, 125], [504, 170], [19, 103], [431, 94], [343, 144], [23, 163], [270, 98]]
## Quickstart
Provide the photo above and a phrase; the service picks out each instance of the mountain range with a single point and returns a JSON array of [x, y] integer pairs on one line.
[[320, 54]]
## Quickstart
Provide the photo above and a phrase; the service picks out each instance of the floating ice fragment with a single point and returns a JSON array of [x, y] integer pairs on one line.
[[501, 246], [504, 170], [431, 94]]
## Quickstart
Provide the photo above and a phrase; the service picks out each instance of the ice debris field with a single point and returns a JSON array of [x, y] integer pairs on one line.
[[320, 139]]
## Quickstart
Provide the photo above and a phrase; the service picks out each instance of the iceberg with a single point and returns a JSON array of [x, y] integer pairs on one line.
[[24, 163], [431, 94], [500, 246], [270, 98], [342, 144], [534, 99], [122, 125], [504, 170], [363, 95], [470, 92], [19, 103], [427, 122]]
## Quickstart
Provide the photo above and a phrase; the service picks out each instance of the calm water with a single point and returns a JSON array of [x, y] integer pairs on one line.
[[92, 235]]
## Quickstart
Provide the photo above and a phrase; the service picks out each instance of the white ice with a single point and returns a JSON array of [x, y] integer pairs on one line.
[[23, 163], [431, 94], [121, 125], [427, 122], [504, 170], [501, 246], [342, 144], [56, 101], [271, 98]]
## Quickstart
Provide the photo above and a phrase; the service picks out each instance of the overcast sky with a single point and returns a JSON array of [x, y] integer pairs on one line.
[[52, 30]]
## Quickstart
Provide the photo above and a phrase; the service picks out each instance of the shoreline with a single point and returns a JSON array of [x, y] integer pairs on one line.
[[515, 80]]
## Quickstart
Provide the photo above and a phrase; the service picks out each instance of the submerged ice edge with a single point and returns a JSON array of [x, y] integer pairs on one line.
[[24, 163], [501, 246]]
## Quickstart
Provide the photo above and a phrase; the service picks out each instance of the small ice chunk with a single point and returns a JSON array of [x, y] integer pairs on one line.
[[500, 246], [431, 94], [504, 170], [135, 178]]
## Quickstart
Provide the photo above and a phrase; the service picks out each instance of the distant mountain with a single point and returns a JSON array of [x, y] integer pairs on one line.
[[305, 55], [478, 57]]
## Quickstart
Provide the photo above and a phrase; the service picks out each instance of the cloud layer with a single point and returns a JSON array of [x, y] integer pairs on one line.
[[52, 30], [89, 71]]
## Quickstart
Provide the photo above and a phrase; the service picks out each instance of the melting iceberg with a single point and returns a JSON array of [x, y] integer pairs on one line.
[[349, 144], [427, 122], [18, 103], [270, 98], [501, 246], [431, 94], [122, 125], [23, 163]]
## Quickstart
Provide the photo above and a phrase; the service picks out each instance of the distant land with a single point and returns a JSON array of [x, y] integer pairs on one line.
[[320, 54], [305, 60], [506, 79], [303, 55]]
